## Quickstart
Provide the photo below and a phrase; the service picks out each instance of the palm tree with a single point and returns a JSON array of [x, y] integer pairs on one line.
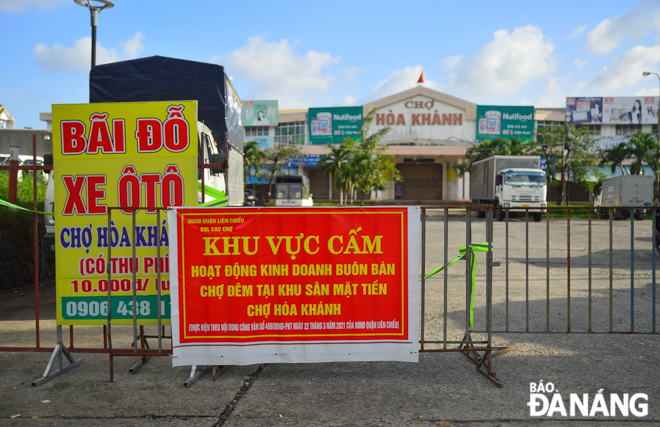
[[615, 156], [253, 157], [642, 148], [335, 163]]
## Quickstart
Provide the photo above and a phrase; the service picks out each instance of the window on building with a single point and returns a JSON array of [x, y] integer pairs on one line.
[[290, 134], [256, 130], [545, 124], [592, 129], [627, 129], [654, 129]]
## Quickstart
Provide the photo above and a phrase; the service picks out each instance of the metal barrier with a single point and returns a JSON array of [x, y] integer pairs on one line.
[[569, 280], [581, 292]]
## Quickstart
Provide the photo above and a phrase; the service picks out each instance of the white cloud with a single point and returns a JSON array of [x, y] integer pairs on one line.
[[452, 62], [279, 73], [78, 57], [20, 5], [399, 81], [133, 46], [579, 63], [650, 91], [636, 23], [626, 69], [577, 31], [348, 101], [506, 64], [553, 95]]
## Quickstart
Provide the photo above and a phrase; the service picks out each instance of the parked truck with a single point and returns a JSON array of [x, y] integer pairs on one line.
[[514, 182], [220, 122], [625, 191]]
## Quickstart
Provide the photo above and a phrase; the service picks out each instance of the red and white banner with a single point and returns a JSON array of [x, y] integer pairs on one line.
[[294, 285]]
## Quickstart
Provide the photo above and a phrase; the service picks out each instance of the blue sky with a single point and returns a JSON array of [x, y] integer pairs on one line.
[[310, 54]]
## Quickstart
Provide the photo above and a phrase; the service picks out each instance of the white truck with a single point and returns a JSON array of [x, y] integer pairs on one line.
[[220, 125], [514, 182], [624, 194]]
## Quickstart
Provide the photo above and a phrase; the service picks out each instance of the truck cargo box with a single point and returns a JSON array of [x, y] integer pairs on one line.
[[158, 78]]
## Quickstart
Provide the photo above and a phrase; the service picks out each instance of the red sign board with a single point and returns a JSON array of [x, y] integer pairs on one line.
[[293, 276]]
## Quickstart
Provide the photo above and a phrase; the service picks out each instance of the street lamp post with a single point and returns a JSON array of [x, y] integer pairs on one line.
[[645, 74], [94, 10]]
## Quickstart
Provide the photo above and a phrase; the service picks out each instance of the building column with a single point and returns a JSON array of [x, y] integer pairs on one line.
[[460, 193], [450, 174]]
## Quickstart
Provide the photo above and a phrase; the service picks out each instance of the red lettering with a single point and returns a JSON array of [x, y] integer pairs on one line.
[[176, 129], [73, 137], [380, 119], [150, 181], [119, 132], [149, 135], [415, 119], [94, 194], [129, 190], [419, 104], [426, 119], [74, 201], [99, 135], [458, 119], [446, 119], [172, 187]]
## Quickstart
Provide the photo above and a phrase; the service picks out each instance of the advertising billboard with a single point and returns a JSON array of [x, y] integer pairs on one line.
[[332, 124], [494, 121], [261, 113], [282, 285], [264, 141], [633, 110], [130, 155]]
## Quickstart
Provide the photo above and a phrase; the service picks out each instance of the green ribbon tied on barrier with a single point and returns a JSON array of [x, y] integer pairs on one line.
[[475, 247], [13, 206], [220, 197]]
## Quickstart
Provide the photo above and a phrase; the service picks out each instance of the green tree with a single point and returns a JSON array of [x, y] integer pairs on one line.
[[336, 164], [615, 156], [274, 156], [641, 148], [372, 168], [253, 157], [574, 153]]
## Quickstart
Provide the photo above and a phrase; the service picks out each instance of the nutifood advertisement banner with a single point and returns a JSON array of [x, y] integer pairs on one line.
[[331, 125], [495, 121], [294, 285], [118, 155]]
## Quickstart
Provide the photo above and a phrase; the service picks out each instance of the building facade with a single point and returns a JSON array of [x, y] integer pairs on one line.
[[430, 135]]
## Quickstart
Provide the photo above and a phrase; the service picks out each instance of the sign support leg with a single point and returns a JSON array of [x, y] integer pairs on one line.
[[56, 357]]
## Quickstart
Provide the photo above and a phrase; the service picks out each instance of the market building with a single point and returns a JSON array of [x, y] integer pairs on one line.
[[431, 133]]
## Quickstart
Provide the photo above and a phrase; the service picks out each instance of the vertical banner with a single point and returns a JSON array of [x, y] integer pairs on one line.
[[118, 155], [294, 285]]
